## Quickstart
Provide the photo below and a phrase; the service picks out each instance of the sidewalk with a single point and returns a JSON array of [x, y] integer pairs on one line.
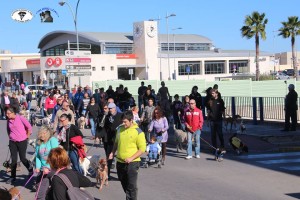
[[266, 137]]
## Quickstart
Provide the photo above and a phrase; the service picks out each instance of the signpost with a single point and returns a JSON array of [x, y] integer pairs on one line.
[[130, 71], [52, 76], [77, 53], [78, 67], [71, 74]]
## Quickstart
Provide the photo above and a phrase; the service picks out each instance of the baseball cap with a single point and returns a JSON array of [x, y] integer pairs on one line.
[[112, 105]]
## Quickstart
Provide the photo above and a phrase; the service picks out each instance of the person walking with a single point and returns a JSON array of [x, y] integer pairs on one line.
[[160, 126], [112, 121], [59, 162], [49, 104], [45, 142], [290, 108], [130, 144], [29, 99], [146, 117], [215, 111], [92, 112], [141, 91], [19, 130], [66, 133], [197, 96], [193, 123], [65, 109]]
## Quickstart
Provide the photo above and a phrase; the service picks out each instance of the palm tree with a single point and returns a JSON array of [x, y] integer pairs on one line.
[[255, 25], [291, 28]]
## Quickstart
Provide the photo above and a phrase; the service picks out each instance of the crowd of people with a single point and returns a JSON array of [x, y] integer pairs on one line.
[[114, 119]]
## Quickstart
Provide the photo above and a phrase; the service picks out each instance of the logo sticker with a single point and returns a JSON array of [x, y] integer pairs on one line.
[[46, 14], [22, 15]]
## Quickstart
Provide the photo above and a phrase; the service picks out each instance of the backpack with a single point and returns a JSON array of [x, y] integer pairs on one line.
[[75, 193]]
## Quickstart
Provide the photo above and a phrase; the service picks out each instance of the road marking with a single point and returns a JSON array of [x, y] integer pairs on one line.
[[291, 168], [269, 162], [270, 155]]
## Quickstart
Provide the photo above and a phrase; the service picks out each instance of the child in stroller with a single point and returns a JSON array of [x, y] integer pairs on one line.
[[153, 152]]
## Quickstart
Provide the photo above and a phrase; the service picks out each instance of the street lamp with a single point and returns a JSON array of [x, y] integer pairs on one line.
[[174, 29], [158, 19], [62, 3], [167, 26]]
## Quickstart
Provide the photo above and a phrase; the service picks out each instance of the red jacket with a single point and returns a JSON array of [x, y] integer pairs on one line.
[[194, 118], [50, 103], [77, 141]]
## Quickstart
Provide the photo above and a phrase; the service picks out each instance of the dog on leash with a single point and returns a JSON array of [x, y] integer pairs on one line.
[[25, 114], [180, 138], [238, 145], [102, 173], [11, 194], [47, 120], [81, 122], [85, 165], [7, 165]]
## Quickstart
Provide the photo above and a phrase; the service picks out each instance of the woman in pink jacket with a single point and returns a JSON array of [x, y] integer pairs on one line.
[[19, 130]]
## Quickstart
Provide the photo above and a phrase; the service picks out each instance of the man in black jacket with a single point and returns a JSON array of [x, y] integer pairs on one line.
[[291, 108], [29, 99], [112, 121]]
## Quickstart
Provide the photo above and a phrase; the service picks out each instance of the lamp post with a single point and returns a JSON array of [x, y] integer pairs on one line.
[[158, 19], [174, 29], [167, 26], [62, 3]]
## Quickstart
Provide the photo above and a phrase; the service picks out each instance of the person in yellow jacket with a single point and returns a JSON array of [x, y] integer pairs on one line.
[[130, 144]]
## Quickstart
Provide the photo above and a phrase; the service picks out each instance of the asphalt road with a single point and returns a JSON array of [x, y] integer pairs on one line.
[[245, 177]]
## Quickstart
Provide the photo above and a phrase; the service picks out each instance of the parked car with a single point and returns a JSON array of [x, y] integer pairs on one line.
[[282, 76]]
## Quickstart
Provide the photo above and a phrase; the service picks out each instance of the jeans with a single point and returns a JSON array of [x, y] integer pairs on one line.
[[93, 128], [216, 129], [29, 105], [128, 175], [42, 112], [75, 161], [196, 136], [152, 155], [15, 148]]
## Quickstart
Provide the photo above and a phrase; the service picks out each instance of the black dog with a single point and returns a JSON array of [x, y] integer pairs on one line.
[[237, 144]]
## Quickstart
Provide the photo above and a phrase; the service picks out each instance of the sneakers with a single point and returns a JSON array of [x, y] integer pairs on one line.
[[188, 157], [197, 156], [11, 181]]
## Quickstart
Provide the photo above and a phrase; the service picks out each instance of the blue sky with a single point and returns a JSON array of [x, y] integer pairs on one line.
[[218, 20]]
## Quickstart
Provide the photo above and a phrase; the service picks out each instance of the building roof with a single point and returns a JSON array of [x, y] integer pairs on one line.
[[117, 37]]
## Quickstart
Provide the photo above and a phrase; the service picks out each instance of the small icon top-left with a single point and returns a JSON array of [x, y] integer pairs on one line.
[[22, 15]]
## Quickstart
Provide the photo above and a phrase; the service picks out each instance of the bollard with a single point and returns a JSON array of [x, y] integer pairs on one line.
[[261, 109], [233, 110], [254, 110]]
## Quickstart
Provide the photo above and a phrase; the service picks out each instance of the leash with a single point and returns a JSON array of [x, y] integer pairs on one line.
[[16, 196], [208, 143], [37, 192]]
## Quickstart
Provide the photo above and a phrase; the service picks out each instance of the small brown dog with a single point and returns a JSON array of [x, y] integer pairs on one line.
[[102, 173], [8, 169], [231, 120], [15, 193], [12, 193]]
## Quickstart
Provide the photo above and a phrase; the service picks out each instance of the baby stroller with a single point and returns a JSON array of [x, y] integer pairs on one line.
[[154, 158]]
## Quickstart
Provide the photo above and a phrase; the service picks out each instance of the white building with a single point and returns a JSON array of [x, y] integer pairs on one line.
[[143, 53]]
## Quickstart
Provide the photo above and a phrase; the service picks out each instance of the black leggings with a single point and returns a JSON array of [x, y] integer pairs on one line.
[[108, 147], [14, 148]]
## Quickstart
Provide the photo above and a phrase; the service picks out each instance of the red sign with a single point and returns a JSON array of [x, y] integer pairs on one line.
[[78, 60], [126, 56], [54, 61], [33, 62], [58, 62], [49, 62]]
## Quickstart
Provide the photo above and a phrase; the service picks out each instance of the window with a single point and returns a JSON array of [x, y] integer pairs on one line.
[[94, 68], [189, 68], [103, 68], [214, 67], [241, 66], [112, 68]]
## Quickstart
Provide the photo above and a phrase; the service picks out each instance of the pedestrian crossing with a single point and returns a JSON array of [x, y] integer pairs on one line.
[[286, 161]]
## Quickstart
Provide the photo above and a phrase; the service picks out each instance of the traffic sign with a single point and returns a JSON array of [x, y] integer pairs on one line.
[[188, 69], [130, 71], [70, 74], [77, 67], [77, 53], [52, 76], [78, 60], [63, 72]]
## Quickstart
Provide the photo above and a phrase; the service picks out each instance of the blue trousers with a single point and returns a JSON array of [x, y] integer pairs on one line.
[[75, 161]]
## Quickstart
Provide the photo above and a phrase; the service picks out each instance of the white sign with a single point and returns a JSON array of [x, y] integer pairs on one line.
[[130, 71], [77, 53], [52, 76]]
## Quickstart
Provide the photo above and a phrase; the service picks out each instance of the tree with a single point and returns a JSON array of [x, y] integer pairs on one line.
[[291, 29], [255, 25]]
